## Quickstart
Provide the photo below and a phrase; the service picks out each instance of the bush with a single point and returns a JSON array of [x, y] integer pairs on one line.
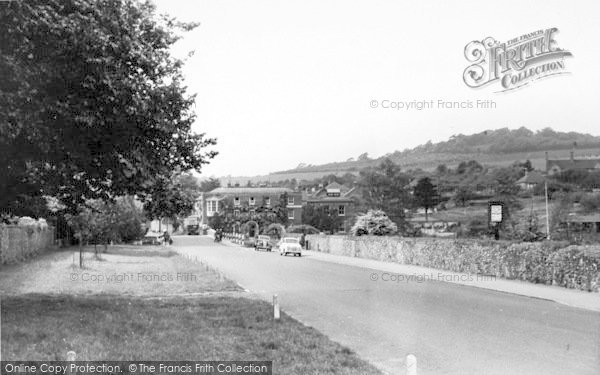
[[374, 222]]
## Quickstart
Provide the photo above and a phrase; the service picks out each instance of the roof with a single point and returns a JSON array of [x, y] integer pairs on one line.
[[587, 163], [328, 199], [251, 190], [334, 185], [532, 177], [320, 195]]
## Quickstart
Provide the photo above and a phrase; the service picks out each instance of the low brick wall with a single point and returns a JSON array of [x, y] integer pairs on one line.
[[18, 243], [554, 263]]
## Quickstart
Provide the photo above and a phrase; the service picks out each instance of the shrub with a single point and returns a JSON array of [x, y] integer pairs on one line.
[[374, 222]]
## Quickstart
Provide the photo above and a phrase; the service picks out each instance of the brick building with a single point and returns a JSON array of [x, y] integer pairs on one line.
[[249, 199], [336, 198]]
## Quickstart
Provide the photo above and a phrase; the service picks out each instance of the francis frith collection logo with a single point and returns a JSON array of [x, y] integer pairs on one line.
[[514, 63]]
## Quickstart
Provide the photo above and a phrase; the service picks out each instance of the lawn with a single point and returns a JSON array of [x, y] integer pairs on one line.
[[37, 327], [123, 270], [45, 314]]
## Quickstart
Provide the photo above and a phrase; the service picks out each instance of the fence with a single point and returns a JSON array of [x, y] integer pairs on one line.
[[18, 243]]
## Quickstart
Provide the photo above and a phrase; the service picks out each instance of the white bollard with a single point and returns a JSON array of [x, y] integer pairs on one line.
[[411, 365], [275, 307]]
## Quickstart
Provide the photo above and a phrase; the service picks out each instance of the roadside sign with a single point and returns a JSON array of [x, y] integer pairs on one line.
[[496, 213]]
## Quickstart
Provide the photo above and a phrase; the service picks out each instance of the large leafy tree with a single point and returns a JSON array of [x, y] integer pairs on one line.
[[384, 188], [92, 104], [173, 197]]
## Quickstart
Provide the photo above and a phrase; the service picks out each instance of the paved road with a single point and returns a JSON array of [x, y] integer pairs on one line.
[[451, 329]]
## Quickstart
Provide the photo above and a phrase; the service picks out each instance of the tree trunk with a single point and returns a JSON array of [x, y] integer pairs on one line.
[[80, 251], [426, 218]]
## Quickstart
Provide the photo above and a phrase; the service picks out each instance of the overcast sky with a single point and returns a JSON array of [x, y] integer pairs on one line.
[[286, 82]]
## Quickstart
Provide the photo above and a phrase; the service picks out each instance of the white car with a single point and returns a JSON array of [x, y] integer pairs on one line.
[[290, 245]]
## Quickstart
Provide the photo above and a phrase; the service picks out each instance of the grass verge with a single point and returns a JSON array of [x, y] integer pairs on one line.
[[102, 327]]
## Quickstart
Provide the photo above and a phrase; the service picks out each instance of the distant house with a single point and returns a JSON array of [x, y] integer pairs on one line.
[[554, 166], [337, 198], [588, 222], [249, 199], [530, 180]]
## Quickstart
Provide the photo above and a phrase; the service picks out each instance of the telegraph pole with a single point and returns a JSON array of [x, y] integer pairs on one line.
[[547, 215]]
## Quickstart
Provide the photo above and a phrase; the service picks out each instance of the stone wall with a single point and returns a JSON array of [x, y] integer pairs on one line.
[[18, 243], [547, 262]]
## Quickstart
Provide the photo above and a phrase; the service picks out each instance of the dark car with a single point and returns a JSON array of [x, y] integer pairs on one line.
[[264, 243], [193, 229]]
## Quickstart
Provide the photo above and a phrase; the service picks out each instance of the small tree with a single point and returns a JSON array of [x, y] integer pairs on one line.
[[425, 194], [210, 184], [374, 222], [463, 194]]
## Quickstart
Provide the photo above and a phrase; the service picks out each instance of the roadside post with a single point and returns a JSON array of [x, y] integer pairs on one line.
[[275, 307], [411, 365], [71, 356]]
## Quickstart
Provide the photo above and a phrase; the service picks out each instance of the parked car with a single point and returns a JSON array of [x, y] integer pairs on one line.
[[290, 245], [153, 238], [263, 242], [193, 229]]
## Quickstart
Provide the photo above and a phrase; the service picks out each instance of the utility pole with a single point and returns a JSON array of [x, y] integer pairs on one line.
[[547, 215]]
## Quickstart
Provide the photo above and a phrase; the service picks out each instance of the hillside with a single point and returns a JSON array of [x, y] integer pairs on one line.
[[499, 147], [494, 147]]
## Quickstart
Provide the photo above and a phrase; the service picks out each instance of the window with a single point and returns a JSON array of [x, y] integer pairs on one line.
[[236, 201], [342, 210], [252, 211], [291, 214], [236, 212], [290, 201], [333, 192], [251, 201], [326, 210], [212, 207], [268, 202]]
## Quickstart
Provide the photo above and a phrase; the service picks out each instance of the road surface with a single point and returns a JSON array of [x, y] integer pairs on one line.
[[451, 329]]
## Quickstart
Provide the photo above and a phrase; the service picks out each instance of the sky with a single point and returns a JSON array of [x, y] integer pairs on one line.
[[280, 83]]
